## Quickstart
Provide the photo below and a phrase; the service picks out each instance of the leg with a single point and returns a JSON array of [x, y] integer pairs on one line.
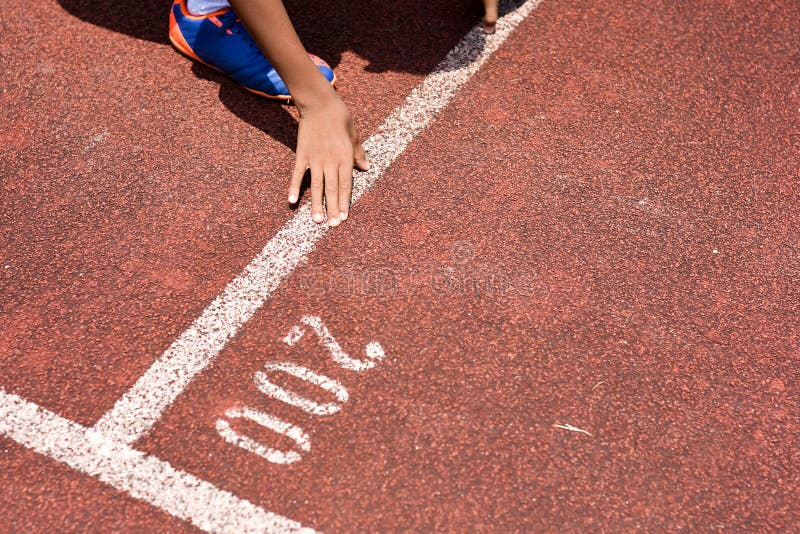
[[205, 7]]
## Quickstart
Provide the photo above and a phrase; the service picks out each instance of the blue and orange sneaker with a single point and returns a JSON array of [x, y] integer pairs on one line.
[[221, 41]]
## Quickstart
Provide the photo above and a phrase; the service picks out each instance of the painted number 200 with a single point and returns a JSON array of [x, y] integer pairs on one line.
[[374, 353]]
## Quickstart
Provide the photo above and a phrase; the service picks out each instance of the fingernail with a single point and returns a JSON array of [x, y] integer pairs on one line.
[[292, 199], [333, 222], [368, 165], [317, 217], [343, 216]]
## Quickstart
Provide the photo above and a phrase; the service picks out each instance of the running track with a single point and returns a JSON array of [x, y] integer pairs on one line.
[[566, 299]]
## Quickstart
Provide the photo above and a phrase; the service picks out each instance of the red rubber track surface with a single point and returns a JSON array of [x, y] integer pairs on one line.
[[600, 231]]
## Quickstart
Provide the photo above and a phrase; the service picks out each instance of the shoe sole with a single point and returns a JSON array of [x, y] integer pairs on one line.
[[180, 44]]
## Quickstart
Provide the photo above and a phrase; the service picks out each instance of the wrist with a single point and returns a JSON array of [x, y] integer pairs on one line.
[[314, 95]]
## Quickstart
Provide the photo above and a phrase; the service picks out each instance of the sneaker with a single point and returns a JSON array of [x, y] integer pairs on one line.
[[220, 41]]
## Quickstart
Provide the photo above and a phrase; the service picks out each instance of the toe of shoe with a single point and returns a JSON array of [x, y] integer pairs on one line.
[[323, 67]]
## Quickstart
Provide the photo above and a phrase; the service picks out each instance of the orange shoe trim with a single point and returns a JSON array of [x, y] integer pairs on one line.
[[178, 41]]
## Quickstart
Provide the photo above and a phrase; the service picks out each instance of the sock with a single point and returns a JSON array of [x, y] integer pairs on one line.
[[204, 7]]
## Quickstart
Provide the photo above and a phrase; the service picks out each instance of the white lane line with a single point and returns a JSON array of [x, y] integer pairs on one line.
[[144, 477], [138, 410]]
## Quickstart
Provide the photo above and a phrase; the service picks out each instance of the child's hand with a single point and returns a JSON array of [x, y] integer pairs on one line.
[[328, 144]]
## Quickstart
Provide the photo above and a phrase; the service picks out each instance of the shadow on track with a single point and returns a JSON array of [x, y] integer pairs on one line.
[[392, 36], [411, 36]]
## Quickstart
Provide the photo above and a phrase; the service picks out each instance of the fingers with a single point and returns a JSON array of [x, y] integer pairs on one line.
[[345, 190], [331, 163], [317, 213], [300, 167], [490, 16], [332, 194], [334, 185]]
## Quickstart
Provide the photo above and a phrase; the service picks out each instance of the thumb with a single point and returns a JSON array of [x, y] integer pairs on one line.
[[360, 158]]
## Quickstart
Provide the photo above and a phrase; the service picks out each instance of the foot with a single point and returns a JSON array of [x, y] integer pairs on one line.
[[221, 41]]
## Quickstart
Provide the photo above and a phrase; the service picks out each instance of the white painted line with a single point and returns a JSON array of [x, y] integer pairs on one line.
[[294, 335], [571, 428], [144, 477], [293, 399], [375, 351], [338, 355], [139, 409], [267, 421]]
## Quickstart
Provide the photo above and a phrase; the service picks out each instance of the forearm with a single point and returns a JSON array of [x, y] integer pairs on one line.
[[272, 30]]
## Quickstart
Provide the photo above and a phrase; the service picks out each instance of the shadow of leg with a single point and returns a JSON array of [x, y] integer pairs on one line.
[[420, 32], [270, 117], [143, 19]]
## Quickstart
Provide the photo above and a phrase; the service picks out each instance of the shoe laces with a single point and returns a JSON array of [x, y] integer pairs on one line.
[[235, 26]]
